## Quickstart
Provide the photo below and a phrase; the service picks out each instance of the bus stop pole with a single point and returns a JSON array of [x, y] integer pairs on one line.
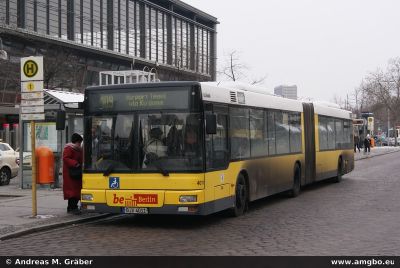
[[33, 141]]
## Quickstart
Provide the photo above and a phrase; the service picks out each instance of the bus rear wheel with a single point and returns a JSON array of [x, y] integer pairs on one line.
[[295, 191], [339, 175], [241, 197]]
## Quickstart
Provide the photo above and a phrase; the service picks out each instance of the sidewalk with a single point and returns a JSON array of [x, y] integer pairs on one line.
[[375, 152], [16, 205], [16, 210]]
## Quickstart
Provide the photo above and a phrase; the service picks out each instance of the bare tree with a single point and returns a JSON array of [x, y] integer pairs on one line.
[[381, 90], [62, 70], [235, 70], [339, 101], [259, 80]]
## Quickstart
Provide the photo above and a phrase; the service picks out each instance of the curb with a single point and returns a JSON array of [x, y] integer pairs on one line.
[[45, 227], [371, 156]]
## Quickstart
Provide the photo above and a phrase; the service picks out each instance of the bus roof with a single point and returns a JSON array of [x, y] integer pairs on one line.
[[255, 96], [241, 94]]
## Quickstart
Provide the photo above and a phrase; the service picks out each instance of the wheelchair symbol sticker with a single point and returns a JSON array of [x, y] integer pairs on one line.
[[113, 182]]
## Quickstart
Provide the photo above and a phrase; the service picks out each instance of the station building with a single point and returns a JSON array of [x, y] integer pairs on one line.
[[80, 38]]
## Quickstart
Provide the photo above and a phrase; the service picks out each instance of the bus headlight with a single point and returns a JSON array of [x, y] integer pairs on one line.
[[187, 198], [87, 197]]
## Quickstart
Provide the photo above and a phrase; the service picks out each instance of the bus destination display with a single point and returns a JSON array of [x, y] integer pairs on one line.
[[130, 101]]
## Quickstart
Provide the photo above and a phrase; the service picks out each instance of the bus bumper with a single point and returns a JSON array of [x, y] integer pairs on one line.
[[182, 209]]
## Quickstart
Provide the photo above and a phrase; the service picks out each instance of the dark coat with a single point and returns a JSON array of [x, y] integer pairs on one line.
[[356, 140], [367, 142], [72, 157]]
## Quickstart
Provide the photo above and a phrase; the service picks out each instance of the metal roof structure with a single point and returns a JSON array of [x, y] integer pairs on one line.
[[61, 97]]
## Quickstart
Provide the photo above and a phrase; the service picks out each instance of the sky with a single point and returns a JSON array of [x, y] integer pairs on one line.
[[325, 47]]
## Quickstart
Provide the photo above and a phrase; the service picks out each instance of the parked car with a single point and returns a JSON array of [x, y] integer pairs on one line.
[[8, 163], [390, 141]]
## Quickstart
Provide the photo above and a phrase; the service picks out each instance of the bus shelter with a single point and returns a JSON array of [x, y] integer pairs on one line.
[[63, 117]]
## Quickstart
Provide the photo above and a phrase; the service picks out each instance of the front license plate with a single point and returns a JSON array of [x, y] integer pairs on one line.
[[135, 210]]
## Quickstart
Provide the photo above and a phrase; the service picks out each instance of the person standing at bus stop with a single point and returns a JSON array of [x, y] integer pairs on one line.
[[72, 166], [356, 143], [367, 144]]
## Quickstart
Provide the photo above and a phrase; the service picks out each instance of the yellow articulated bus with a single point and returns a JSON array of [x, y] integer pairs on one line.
[[195, 148]]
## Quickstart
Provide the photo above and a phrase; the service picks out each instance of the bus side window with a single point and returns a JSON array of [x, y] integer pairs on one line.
[[217, 144]]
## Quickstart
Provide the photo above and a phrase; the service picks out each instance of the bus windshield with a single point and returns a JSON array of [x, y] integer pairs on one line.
[[144, 142]]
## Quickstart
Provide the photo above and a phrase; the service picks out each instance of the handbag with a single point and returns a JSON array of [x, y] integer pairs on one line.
[[75, 173]]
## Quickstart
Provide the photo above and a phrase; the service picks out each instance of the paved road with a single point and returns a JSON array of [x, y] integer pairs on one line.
[[359, 216]]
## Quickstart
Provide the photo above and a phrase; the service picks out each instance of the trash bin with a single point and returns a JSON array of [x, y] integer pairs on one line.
[[44, 165], [372, 142]]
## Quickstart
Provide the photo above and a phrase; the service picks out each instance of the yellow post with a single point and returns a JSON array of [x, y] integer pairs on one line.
[[33, 141]]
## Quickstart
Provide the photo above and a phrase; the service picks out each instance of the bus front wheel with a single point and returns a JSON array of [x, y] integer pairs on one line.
[[241, 197]]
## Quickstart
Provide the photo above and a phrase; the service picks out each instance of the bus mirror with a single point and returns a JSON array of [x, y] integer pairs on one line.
[[211, 124]]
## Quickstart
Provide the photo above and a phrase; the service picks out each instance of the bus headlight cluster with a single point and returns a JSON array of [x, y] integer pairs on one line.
[[87, 197], [187, 198]]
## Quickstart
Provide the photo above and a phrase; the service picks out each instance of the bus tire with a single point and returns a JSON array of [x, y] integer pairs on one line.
[[296, 188], [241, 197], [339, 175]]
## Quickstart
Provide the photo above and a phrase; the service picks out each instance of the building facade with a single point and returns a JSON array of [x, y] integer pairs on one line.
[[289, 92], [80, 38]]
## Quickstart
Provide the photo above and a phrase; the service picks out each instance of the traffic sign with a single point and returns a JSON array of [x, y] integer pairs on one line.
[[32, 109], [29, 117], [31, 103], [32, 86], [31, 69], [358, 122], [371, 124], [30, 96]]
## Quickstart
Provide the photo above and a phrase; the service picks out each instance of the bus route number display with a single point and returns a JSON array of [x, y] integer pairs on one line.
[[129, 101]]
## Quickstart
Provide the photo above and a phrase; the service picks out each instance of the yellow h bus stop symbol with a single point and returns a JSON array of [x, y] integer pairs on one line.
[[30, 68]]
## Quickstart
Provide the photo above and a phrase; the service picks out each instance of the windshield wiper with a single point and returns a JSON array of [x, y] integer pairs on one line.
[[152, 158], [109, 170]]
